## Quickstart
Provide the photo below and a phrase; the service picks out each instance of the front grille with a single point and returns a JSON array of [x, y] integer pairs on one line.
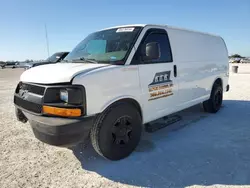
[[39, 90], [27, 105]]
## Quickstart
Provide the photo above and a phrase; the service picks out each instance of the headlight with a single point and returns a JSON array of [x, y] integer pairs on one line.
[[65, 100], [71, 95], [64, 96]]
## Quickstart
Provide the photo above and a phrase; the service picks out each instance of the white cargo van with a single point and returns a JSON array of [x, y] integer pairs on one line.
[[118, 79]]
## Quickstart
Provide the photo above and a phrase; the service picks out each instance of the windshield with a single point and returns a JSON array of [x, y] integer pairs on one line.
[[54, 57], [107, 46]]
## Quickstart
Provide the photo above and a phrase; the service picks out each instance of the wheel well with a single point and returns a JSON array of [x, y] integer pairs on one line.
[[130, 101]]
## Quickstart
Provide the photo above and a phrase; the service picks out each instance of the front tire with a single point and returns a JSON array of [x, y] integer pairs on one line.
[[214, 103], [117, 131], [20, 116]]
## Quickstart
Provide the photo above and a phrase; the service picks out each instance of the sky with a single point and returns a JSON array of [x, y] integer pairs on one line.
[[22, 22]]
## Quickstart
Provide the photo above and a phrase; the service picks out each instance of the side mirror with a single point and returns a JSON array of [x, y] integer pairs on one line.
[[152, 51]]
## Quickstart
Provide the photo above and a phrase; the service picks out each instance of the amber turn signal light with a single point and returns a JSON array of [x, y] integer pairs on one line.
[[65, 112]]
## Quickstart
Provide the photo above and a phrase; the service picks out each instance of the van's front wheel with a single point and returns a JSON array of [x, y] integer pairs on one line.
[[214, 103], [117, 131]]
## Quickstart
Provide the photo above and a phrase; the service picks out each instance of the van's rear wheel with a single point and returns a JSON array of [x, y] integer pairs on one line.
[[214, 103], [117, 131]]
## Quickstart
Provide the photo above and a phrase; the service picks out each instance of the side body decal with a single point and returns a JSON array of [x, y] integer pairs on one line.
[[161, 86]]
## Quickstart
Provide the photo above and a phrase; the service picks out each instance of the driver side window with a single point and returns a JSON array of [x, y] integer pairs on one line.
[[160, 37]]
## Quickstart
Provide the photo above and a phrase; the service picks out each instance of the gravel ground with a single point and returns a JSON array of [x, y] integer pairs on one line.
[[201, 150]]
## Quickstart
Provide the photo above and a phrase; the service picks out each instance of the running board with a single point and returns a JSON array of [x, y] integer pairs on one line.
[[161, 123]]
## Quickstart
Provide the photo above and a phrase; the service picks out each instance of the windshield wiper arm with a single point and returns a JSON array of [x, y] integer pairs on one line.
[[64, 60], [88, 60]]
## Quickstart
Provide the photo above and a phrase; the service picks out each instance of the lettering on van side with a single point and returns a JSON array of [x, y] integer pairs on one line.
[[161, 86]]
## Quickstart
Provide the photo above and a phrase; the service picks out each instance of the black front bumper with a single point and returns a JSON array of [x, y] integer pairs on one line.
[[59, 131], [29, 99]]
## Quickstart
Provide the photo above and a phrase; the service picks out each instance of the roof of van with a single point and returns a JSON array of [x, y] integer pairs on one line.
[[159, 25]]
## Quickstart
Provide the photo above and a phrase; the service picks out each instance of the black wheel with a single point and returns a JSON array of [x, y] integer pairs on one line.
[[117, 131], [213, 105], [20, 116]]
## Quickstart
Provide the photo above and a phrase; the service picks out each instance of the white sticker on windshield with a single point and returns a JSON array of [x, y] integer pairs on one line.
[[125, 29]]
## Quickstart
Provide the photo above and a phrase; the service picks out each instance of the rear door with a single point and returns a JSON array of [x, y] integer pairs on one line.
[[157, 77]]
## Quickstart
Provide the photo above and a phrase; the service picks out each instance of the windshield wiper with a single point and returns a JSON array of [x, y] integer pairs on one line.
[[88, 60], [64, 60]]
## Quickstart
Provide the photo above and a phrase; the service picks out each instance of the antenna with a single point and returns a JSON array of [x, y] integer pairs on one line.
[[47, 40]]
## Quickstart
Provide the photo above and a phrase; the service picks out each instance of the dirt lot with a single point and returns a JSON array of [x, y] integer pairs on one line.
[[201, 150]]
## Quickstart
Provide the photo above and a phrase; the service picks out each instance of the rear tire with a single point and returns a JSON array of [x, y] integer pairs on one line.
[[214, 103], [117, 131]]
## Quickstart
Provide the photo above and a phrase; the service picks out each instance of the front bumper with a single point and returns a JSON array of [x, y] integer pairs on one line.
[[57, 131], [29, 100]]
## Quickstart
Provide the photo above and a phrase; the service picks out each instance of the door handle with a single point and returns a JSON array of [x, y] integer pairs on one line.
[[175, 71]]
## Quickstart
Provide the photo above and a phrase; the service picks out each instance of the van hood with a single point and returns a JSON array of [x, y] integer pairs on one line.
[[57, 73]]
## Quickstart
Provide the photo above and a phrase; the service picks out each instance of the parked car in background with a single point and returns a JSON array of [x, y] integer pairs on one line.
[[2, 64], [11, 64], [245, 60], [55, 58], [235, 60]]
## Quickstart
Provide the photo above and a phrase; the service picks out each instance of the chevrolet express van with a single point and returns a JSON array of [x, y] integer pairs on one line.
[[117, 80]]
